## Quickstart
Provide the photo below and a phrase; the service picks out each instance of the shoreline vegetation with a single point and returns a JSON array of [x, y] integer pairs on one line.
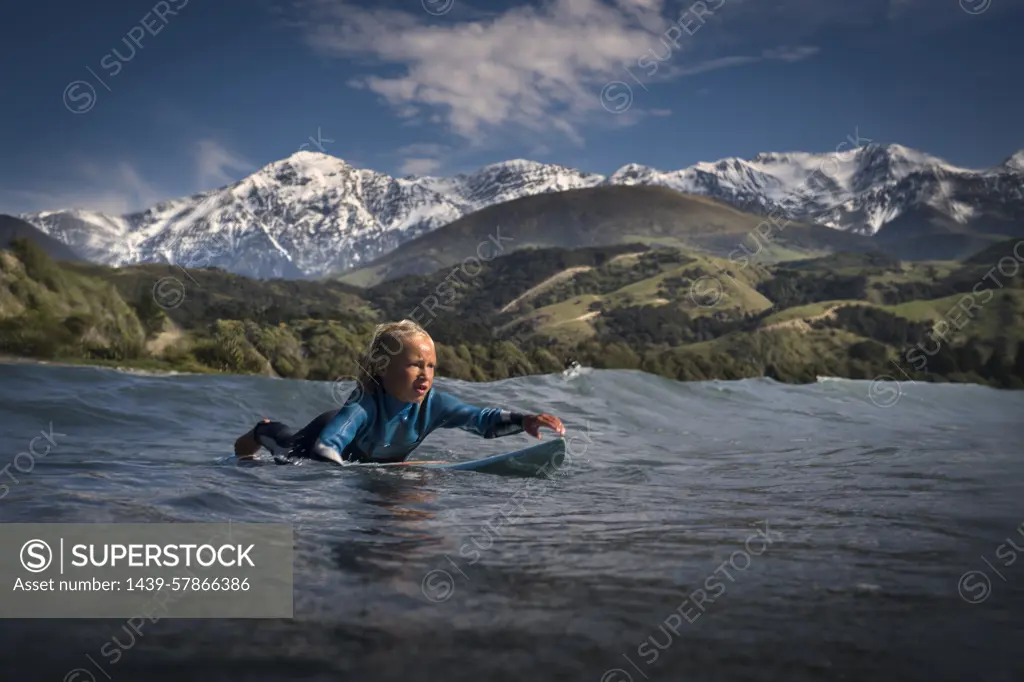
[[679, 314]]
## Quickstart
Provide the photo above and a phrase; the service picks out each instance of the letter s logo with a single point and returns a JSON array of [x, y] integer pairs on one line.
[[36, 556]]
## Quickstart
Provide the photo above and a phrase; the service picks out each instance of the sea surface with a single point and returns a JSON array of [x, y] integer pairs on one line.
[[718, 531]]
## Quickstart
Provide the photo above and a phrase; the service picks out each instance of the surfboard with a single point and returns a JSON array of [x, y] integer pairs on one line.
[[537, 460]]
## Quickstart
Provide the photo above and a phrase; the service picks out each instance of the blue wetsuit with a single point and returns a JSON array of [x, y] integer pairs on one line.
[[379, 428]]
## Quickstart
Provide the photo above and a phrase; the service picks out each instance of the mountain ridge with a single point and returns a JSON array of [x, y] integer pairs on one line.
[[605, 215], [312, 214]]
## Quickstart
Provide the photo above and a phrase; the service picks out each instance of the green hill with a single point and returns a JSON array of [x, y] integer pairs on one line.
[[603, 216], [681, 314], [12, 228], [924, 232]]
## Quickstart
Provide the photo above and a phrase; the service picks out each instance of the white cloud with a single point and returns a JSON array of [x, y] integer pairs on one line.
[[120, 188], [214, 160], [785, 53], [419, 166], [791, 54], [422, 158], [116, 189], [423, 149], [538, 69]]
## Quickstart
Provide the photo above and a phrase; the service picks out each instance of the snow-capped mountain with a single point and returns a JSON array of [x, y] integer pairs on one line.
[[305, 215], [859, 190], [311, 213]]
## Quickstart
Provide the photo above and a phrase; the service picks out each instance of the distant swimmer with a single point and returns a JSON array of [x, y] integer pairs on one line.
[[391, 410]]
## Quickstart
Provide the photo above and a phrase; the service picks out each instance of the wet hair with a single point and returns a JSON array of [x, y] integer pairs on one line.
[[388, 340]]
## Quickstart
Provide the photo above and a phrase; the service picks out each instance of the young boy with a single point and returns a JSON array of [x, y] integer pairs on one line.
[[391, 410]]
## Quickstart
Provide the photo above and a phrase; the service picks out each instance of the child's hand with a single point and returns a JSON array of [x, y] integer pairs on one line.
[[533, 422]]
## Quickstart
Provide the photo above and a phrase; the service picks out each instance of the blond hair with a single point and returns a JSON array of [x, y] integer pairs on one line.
[[381, 349]]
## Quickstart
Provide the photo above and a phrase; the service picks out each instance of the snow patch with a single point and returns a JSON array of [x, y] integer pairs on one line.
[[320, 212]]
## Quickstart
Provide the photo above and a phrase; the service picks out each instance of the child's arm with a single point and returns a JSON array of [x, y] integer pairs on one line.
[[490, 422], [340, 431]]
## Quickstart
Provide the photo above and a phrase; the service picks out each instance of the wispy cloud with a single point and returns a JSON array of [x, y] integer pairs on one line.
[[422, 158], [121, 188], [535, 69], [214, 160], [419, 166], [116, 189], [423, 149], [784, 54]]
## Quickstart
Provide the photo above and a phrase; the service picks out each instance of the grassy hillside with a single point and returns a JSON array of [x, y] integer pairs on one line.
[[679, 314], [926, 233], [602, 216], [12, 228]]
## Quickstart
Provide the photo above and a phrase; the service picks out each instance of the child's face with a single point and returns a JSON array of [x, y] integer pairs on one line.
[[410, 373]]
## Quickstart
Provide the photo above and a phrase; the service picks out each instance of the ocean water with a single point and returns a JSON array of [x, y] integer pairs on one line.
[[743, 530]]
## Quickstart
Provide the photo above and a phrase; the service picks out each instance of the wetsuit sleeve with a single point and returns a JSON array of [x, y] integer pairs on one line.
[[488, 422], [341, 431]]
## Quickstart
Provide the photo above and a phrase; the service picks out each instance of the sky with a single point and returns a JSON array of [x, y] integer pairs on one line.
[[117, 105]]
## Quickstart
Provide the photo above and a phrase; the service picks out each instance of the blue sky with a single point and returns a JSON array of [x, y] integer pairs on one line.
[[116, 105]]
